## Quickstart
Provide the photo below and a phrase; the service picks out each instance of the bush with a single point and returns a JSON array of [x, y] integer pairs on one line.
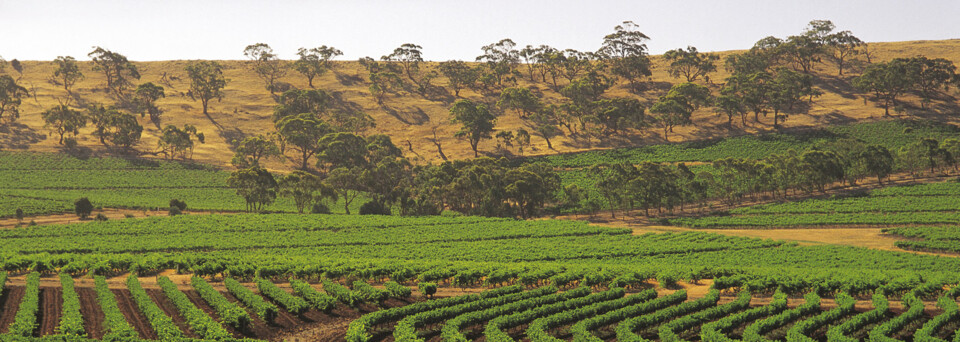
[[374, 208], [320, 208], [32, 223], [100, 217], [128, 216], [19, 214], [174, 211], [70, 143], [178, 204], [82, 207], [427, 289]]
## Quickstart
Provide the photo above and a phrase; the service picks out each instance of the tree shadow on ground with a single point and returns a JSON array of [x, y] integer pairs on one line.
[[411, 116], [18, 136]]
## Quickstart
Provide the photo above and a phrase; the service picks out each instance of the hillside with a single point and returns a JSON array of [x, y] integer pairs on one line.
[[409, 118]]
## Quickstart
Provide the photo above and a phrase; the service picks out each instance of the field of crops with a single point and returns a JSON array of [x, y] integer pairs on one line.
[[45, 183], [924, 204], [544, 280], [891, 134]]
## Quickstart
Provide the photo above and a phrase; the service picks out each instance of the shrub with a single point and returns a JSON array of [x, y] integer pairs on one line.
[[82, 207], [374, 208], [428, 289], [174, 211], [182, 205], [32, 223], [19, 214], [320, 208], [70, 143], [100, 217]]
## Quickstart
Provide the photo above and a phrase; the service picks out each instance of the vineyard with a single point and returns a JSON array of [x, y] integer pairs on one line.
[[923, 204], [890, 134], [373, 278], [46, 183], [732, 310]]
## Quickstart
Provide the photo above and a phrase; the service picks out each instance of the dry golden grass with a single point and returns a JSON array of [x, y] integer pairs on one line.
[[409, 118]]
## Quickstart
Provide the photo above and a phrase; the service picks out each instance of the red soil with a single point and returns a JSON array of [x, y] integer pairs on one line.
[[92, 314], [11, 302], [132, 312], [171, 310], [51, 304]]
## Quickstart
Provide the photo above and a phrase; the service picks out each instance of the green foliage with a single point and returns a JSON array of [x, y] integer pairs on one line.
[[161, 323], [68, 72], [497, 327], [11, 96], [476, 122], [427, 289], [319, 300], [256, 185], [266, 310], [755, 332], [396, 290], [367, 293], [228, 312], [359, 329], [116, 69], [82, 207], [290, 302], [71, 321], [717, 331], [199, 321], [800, 331], [25, 321], [63, 120], [406, 328], [115, 323], [690, 63]]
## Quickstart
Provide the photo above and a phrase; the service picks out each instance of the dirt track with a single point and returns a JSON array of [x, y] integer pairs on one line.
[[51, 304], [92, 314], [11, 301]]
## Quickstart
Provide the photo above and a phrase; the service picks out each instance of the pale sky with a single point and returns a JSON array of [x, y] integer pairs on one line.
[[146, 30]]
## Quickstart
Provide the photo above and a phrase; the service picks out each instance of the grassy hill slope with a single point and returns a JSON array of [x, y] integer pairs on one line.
[[411, 118]]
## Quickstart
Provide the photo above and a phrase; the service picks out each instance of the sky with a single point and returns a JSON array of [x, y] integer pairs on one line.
[[146, 30]]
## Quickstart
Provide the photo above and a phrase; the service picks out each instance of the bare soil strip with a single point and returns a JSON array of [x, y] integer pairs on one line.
[[132, 312], [92, 313], [51, 302]]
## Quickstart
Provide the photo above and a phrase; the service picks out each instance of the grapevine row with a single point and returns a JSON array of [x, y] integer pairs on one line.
[[716, 331], [839, 333], [198, 320], [229, 312], [627, 330], [266, 310], [882, 332], [321, 301], [114, 323], [670, 332], [359, 329], [161, 323], [451, 329], [755, 332], [406, 329], [800, 332], [288, 301], [25, 321], [71, 321], [538, 329], [494, 331], [581, 330]]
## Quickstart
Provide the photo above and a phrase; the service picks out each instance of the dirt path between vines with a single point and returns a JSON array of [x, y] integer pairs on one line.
[[51, 302], [110, 213]]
